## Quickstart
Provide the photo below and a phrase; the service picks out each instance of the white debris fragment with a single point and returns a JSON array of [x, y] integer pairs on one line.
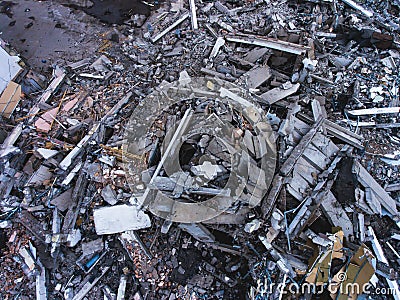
[[252, 226], [46, 153], [119, 218], [207, 169], [392, 159], [74, 237]]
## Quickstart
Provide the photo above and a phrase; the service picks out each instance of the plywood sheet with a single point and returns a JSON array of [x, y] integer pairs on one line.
[[10, 99]]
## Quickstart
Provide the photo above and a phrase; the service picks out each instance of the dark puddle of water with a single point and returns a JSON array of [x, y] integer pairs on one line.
[[116, 11]]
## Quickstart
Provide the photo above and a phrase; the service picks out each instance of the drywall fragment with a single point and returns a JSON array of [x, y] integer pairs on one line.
[[119, 218]]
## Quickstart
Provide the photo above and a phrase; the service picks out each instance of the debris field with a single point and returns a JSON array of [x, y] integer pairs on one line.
[[202, 150]]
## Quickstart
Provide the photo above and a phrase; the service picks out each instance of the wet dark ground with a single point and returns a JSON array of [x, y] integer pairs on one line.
[[117, 11], [46, 33]]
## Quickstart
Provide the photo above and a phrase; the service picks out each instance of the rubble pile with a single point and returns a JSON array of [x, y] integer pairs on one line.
[[213, 150]]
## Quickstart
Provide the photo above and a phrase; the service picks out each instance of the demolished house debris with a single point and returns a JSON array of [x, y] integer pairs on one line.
[[212, 150], [10, 91]]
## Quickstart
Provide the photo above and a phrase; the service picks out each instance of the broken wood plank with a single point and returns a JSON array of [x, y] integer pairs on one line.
[[324, 145], [380, 255], [305, 170], [306, 211], [41, 290], [32, 224], [269, 43], [309, 207], [225, 248], [315, 157], [51, 89], [301, 218], [358, 7], [10, 99], [361, 227], [269, 202], [322, 79], [299, 149], [11, 138], [318, 110], [198, 231], [67, 161], [374, 111], [371, 124], [76, 200], [193, 15], [344, 134], [217, 46], [394, 187], [253, 55], [298, 186], [368, 181], [169, 28], [90, 281], [174, 140], [79, 64], [216, 74]]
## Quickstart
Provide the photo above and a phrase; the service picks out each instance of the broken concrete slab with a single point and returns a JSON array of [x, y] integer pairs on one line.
[[63, 201], [109, 195], [279, 93], [256, 77]]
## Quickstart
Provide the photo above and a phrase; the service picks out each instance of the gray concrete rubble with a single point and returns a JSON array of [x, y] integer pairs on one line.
[[199, 150]]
